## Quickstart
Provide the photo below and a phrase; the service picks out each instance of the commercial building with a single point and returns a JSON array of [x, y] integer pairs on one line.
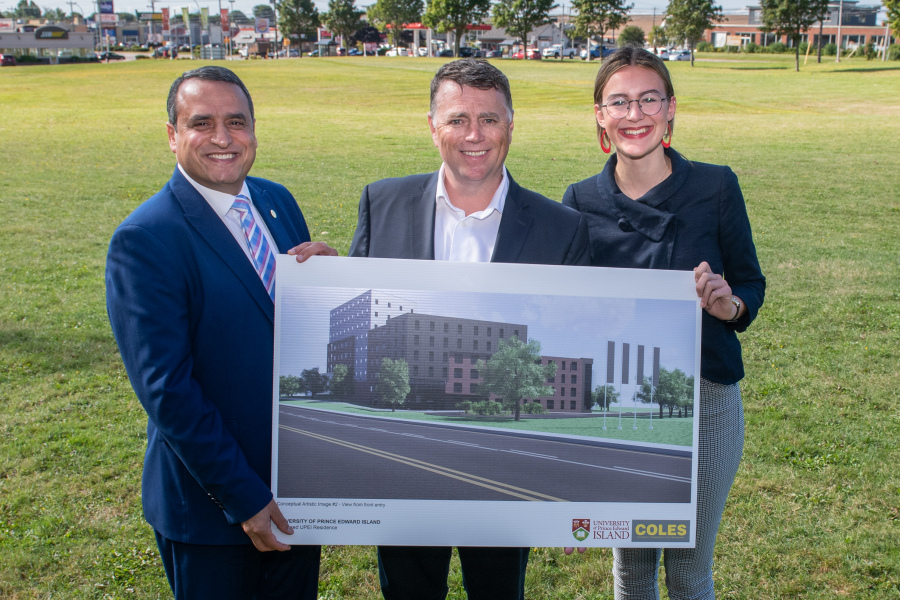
[[48, 42], [858, 26]]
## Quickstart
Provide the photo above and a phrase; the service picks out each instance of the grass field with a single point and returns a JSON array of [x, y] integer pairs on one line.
[[815, 510]]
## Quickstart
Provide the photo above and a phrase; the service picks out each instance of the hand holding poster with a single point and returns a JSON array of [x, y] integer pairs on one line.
[[436, 403]]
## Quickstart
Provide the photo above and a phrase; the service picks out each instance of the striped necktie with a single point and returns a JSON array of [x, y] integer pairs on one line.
[[260, 252]]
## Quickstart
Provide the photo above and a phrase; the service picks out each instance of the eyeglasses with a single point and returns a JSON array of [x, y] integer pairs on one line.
[[650, 104]]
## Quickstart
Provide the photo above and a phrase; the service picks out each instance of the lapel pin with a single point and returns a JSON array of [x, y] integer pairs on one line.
[[272, 212]]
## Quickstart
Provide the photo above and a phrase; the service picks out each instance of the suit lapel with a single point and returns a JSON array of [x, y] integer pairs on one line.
[[420, 229], [208, 226], [514, 225]]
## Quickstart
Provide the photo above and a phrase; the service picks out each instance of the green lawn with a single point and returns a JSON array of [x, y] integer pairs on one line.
[[815, 511], [677, 432]]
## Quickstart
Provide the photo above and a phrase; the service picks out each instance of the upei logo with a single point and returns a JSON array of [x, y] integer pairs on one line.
[[581, 528]]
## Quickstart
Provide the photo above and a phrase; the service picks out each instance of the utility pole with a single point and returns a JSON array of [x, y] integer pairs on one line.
[[653, 31], [840, 22], [275, 12]]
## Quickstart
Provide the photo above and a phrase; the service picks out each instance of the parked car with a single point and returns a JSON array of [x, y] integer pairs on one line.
[[422, 51], [597, 52], [111, 56], [354, 52], [556, 50], [446, 53], [467, 52], [313, 53], [663, 53], [493, 54], [7, 60], [680, 55], [165, 51], [530, 54]]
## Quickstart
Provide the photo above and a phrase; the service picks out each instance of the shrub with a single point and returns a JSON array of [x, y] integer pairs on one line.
[[869, 51], [732, 49], [705, 47], [777, 48], [488, 407], [466, 406], [829, 49], [533, 408], [894, 52], [750, 48], [803, 47]]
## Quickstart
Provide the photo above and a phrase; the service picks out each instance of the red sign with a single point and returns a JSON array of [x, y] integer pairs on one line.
[[223, 14], [165, 20]]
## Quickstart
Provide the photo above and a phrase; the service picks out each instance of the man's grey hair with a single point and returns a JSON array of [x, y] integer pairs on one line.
[[474, 73], [208, 73]]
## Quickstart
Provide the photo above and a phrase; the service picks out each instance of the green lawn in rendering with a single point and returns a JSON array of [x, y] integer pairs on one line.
[[815, 510]]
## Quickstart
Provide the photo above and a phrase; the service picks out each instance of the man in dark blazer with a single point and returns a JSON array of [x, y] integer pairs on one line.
[[470, 210], [193, 318]]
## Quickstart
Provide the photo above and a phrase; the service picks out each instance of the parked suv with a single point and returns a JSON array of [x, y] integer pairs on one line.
[[467, 52], [556, 50], [597, 52]]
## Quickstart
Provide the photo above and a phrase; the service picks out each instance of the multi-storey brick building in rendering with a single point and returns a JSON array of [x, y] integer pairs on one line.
[[442, 353]]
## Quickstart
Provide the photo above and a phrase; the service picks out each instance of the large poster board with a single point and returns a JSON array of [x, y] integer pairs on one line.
[[588, 462]]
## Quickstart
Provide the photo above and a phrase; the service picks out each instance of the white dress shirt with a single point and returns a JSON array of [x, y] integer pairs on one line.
[[221, 203], [462, 238]]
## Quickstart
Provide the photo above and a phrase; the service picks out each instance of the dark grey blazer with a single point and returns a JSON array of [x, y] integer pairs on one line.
[[396, 220]]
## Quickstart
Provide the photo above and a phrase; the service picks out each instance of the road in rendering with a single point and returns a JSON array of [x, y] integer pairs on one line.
[[336, 455]]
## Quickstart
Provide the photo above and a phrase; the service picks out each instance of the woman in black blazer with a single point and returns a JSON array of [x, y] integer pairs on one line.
[[650, 208]]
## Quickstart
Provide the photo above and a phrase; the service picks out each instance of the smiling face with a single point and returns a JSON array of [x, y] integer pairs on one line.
[[213, 139], [635, 135], [472, 128]]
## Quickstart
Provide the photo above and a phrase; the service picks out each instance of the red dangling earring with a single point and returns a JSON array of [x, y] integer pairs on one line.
[[669, 135], [607, 147]]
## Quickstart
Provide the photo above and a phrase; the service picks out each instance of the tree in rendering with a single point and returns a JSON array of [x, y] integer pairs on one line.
[[394, 14], [675, 390], [289, 385], [631, 36], [341, 381], [791, 18], [688, 19], [313, 381], [514, 372], [393, 382], [521, 17], [455, 15], [342, 19], [604, 395], [297, 19], [596, 17]]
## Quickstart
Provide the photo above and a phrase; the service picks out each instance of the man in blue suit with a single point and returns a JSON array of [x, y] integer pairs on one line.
[[470, 210], [190, 287]]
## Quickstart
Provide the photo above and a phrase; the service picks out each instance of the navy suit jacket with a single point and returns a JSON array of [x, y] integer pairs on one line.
[[194, 325], [396, 220]]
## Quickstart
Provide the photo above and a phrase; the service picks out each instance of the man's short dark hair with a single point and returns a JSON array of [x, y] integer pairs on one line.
[[474, 73], [208, 73]]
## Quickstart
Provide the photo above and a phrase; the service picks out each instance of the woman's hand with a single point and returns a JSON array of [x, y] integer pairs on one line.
[[307, 249], [715, 294]]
